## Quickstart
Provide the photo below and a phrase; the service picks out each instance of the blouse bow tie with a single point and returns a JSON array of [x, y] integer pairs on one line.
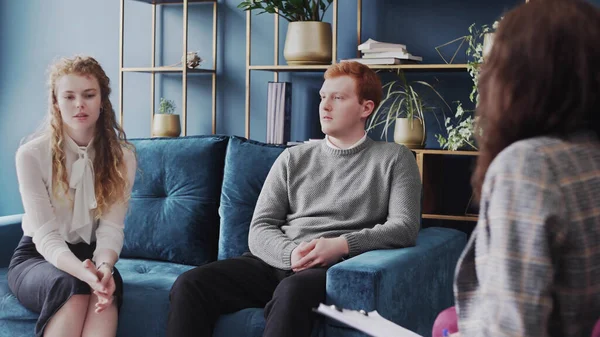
[[82, 180]]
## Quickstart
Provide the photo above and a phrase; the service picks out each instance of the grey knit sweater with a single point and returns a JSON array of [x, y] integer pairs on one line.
[[370, 195]]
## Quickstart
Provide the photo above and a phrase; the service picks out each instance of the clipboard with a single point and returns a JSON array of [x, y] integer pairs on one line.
[[370, 322]]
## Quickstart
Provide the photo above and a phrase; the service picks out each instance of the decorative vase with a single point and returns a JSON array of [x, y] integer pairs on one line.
[[166, 125], [411, 136], [308, 43]]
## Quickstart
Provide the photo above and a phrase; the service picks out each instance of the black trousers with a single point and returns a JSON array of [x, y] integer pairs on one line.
[[199, 296]]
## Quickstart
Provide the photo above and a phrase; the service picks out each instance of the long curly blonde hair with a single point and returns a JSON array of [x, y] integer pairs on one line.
[[110, 172]]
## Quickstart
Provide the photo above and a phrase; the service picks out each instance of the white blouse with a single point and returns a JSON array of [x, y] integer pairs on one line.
[[51, 221]]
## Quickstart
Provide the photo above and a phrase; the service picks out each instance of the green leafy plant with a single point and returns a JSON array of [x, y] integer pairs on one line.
[[401, 100], [291, 10], [461, 133], [475, 53], [166, 106]]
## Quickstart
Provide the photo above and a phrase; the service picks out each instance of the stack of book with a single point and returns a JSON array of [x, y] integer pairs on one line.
[[279, 108], [375, 52]]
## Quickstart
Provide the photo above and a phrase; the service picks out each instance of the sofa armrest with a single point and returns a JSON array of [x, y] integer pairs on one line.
[[408, 286], [10, 234]]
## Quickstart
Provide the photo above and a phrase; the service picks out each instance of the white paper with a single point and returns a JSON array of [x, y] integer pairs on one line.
[[372, 323]]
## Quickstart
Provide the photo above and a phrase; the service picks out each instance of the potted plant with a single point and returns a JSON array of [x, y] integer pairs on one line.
[[308, 39], [461, 134], [165, 122], [404, 108]]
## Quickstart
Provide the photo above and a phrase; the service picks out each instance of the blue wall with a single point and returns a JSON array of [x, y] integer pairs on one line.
[[34, 32]]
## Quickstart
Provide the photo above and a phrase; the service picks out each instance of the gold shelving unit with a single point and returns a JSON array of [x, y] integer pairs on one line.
[[449, 217], [430, 163], [422, 152], [276, 68], [405, 67], [427, 160], [183, 70]]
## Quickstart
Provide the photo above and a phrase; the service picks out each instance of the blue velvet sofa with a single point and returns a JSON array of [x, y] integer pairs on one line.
[[192, 203]]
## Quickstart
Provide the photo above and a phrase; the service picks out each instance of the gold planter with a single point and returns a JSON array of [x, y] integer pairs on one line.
[[411, 136], [165, 125], [308, 42]]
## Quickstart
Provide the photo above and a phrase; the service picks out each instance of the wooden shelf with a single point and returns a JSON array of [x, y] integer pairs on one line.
[[422, 67], [446, 152], [177, 68], [284, 68], [406, 67], [450, 217], [172, 2], [166, 70]]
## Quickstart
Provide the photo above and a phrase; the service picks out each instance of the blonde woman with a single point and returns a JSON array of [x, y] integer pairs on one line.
[[75, 178]]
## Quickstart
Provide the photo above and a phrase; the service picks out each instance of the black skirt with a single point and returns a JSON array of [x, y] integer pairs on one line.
[[43, 288]]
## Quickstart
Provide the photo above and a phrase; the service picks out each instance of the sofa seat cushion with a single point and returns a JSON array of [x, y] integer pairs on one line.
[[10, 308], [248, 323], [173, 211], [146, 287], [247, 164], [22, 321]]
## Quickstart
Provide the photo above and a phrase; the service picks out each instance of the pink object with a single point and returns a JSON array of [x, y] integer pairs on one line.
[[447, 320], [596, 332]]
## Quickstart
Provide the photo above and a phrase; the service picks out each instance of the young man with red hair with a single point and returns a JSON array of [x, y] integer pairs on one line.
[[321, 202]]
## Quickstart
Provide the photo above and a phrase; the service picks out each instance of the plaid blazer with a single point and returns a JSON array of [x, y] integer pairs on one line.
[[532, 264]]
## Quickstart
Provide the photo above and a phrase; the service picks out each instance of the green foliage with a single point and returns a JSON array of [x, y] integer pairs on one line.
[[291, 10], [462, 134], [166, 106], [475, 51]]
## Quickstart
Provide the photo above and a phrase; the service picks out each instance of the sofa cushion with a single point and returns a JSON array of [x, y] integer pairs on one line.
[[146, 287], [173, 211], [247, 164], [15, 319]]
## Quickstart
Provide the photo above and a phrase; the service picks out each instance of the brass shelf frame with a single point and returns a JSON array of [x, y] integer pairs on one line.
[[276, 68], [445, 152], [450, 217], [320, 68], [184, 71], [167, 70], [420, 155], [172, 2]]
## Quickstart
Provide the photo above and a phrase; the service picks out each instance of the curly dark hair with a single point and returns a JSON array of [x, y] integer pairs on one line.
[[541, 78]]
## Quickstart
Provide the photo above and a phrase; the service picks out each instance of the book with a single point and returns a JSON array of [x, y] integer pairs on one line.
[[381, 50], [279, 106], [371, 44], [394, 54], [381, 60], [370, 322]]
